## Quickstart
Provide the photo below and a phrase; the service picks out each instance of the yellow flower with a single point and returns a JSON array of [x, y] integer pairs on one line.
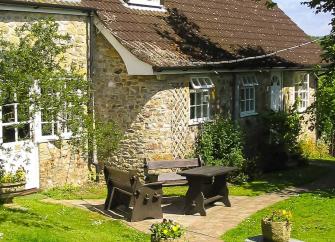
[[165, 231], [175, 228], [284, 212]]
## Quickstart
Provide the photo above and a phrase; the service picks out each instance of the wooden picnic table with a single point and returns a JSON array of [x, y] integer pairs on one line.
[[207, 184]]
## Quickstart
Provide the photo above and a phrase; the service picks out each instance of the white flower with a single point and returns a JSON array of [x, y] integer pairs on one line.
[[1, 235]]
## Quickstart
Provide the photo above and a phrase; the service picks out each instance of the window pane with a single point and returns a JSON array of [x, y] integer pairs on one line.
[[198, 98], [205, 110], [242, 94], [8, 114], [23, 113], [192, 97], [247, 93], [24, 132], [192, 112], [252, 105], [47, 129], [242, 108], [199, 114], [8, 134], [252, 93], [247, 106]]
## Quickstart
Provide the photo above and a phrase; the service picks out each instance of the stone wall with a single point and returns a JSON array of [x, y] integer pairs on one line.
[[153, 111], [60, 165], [56, 168], [142, 106]]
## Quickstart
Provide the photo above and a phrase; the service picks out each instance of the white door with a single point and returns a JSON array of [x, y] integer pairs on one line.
[[276, 91], [17, 145]]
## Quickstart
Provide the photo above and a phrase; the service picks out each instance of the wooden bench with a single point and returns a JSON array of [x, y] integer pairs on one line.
[[170, 178], [140, 201]]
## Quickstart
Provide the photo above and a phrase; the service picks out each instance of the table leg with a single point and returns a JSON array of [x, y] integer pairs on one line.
[[195, 200], [220, 187]]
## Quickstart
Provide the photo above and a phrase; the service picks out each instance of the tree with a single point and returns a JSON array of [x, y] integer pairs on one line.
[[34, 74]]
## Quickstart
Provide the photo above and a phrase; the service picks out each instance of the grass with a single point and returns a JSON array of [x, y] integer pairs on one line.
[[71, 192], [313, 218], [40, 221], [270, 182]]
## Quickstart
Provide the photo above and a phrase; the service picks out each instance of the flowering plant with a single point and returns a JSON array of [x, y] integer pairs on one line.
[[280, 216], [12, 177], [167, 229]]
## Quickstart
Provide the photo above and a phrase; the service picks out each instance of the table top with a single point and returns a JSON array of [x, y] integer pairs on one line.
[[207, 171]]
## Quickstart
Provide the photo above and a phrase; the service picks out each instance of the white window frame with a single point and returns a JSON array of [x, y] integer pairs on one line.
[[202, 86], [153, 5], [14, 123], [299, 91], [247, 84]]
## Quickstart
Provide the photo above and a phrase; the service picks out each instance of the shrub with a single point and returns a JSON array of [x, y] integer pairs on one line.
[[166, 230], [280, 139], [221, 143], [13, 177], [314, 150]]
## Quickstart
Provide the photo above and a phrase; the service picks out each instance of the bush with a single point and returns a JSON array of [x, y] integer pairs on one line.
[[314, 150], [221, 143], [280, 139]]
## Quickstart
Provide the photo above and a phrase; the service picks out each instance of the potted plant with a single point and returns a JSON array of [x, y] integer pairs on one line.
[[167, 230], [277, 227], [11, 184]]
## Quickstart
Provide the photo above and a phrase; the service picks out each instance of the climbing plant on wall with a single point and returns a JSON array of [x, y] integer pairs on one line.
[[38, 76]]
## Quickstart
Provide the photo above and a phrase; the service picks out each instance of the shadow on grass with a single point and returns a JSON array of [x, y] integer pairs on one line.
[[28, 218]]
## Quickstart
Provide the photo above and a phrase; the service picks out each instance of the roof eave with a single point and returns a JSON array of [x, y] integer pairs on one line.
[[48, 5], [220, 68]]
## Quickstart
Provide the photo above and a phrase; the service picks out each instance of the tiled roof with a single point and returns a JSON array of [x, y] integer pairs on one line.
[[211, 30]]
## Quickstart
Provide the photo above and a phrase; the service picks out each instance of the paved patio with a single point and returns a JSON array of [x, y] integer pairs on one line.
[[219, 218], [209, 228]]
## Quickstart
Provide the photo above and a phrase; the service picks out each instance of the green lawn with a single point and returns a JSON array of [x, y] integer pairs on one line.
[[41, 221], [313, 218], [71, 192], [267, 183], [270, 182]]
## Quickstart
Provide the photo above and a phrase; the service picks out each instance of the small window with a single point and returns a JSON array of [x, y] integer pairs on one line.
[[200, 99], [302, 91], [248, 85], [145, 3]]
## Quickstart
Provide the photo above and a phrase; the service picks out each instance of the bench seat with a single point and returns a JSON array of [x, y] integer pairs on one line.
[[170, 178]]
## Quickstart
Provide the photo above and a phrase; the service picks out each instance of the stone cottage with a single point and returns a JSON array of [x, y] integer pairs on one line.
[[162, 68]]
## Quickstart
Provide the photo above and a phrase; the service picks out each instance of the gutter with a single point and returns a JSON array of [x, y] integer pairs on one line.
[[212, 69]]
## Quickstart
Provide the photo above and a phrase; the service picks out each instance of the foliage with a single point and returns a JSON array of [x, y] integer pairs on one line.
[[281, 132], [12, 177], [312, 149], [32, 219], [221, 143], [167, 229], [324, 107], [280, 216], [36, 74], [313, 218], [266, 183]]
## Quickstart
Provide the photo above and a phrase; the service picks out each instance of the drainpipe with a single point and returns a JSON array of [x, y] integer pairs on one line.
[[92, 156]]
